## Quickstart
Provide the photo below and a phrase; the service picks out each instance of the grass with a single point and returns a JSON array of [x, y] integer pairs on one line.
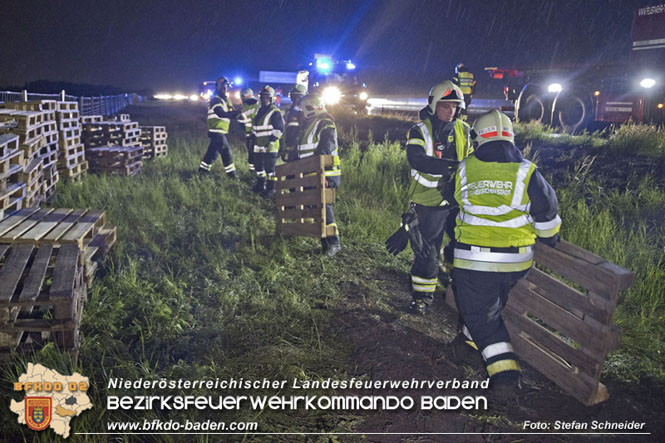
[[199, 286], [639, 139]]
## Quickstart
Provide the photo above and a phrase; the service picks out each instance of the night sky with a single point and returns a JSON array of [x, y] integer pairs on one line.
[[399, 45]]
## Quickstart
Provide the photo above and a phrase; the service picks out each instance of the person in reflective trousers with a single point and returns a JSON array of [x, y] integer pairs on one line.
[[319, 137], [434, 148], [467, 83], [268, 126], [220, 114], [249, 107], [505, 204]]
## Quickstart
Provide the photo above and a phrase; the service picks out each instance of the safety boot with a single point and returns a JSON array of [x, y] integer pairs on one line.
[[334, 245], [232, 175], [259, 187], [270, 190], [417, 307]]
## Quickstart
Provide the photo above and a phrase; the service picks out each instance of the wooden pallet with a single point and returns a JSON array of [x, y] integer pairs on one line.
[[32, 105], [11, 199], [91, 118], [67, 106], [8, 144], [301, 197], [561, 331], [47, 226], [11, 167], [42, 292]]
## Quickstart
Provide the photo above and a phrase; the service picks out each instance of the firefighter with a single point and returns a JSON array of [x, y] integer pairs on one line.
[[504, 205], [466, 82], [220, 114], [434, 148], [319, 137], [249, 107], [293, 118], [268, 126]]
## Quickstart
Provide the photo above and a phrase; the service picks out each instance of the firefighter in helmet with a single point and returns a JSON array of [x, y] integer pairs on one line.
[[250, 105], [467, 83], [494, 239], [319, 137], [293, 118], [220, 114], [268, 127], [434, 148]]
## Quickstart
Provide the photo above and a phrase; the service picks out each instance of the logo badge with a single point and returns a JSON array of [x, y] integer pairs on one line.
[[38, 412]]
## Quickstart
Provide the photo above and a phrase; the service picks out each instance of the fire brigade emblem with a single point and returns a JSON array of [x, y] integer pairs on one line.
[[38, 412]]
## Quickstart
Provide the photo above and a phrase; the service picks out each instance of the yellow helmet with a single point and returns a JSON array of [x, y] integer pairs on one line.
[[492, 126], [444, 92]]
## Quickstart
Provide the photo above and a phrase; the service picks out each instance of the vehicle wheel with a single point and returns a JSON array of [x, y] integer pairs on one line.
[[531, 106], [573, 112]]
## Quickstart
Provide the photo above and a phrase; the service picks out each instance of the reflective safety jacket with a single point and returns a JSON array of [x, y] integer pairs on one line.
[[501, 213], [465, 81], [268, 125], [320, 138], [219, 109], [249, 109], [432, 160]]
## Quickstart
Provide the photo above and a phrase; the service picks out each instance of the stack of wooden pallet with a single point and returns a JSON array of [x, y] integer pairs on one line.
[[117, 160], [153, 140], [71, 161], [48, 258], [12, 189], [110, 133]]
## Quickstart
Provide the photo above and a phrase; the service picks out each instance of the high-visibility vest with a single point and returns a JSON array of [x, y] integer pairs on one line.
[[423, 188], [218, 124], [310, 141], [494, 221], [465, 81], [249, 110], [264, 129]]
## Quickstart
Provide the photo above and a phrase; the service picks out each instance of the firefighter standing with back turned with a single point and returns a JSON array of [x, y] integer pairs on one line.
[[220, 114], [466, 82], [268, 126], [504, 205], [319, 137], [434, 148], [249, 107]]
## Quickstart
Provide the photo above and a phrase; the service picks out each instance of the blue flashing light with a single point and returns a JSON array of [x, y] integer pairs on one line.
[[324, 65], [237, 81], [350, 66]]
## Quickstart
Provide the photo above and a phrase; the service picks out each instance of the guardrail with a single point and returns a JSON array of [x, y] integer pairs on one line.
[[402, 104], [99, 105]]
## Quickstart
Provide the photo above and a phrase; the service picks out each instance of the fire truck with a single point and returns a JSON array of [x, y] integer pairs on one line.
[[575, 98], [336, 81]]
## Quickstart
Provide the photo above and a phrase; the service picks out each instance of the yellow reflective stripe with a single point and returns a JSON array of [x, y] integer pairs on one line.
[[416, 141], [491, 266], [548, 229], [230, 168], [484, 254], [502, 366], [332, 173], [422, 288]]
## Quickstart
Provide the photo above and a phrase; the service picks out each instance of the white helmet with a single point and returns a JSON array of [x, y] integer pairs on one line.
[[312, 105], [491, 126], [444, 92]]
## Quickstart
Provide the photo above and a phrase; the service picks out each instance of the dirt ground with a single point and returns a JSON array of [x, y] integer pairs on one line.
[[388, 343]]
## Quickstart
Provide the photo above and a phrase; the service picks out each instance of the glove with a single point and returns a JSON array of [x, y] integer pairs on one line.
[[549, 241], [397, 242], [235, 114]]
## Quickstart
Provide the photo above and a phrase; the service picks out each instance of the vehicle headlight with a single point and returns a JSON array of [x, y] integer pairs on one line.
[[363, 96], [647, 83], [554, 88], [331, 95]]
